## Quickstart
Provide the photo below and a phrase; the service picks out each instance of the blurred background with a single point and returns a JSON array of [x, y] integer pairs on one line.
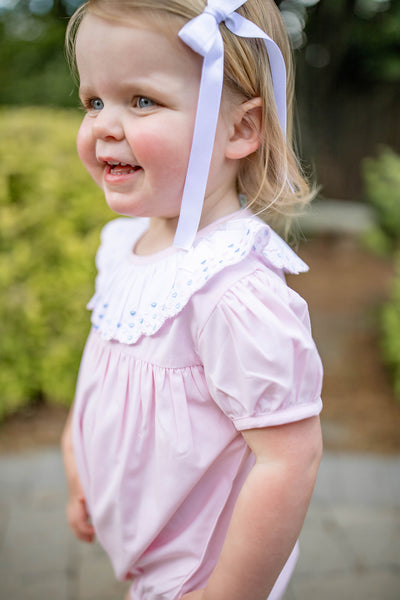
[[347, 55]]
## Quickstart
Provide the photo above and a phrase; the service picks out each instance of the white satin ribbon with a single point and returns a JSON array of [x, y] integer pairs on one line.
[[202, 35]]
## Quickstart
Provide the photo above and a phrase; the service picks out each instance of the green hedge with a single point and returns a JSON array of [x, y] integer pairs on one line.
[[391, 331], [382, 185], [51, 214], [381, 177]]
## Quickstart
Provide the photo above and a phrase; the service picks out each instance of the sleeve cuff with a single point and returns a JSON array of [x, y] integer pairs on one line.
[[296, 413]]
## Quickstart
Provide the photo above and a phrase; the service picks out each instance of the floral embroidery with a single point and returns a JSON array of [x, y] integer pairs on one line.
[[121, 285]]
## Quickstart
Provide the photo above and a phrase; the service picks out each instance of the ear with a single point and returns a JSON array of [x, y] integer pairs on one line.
[[246, 129]]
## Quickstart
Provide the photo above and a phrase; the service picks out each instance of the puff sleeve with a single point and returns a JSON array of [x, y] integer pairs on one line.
[[260, 361]]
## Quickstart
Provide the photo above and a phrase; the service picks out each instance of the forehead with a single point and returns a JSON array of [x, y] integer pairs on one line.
[[137, 44]]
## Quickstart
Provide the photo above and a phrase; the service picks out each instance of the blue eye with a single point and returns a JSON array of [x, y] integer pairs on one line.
[[96, 104], [143, 102]]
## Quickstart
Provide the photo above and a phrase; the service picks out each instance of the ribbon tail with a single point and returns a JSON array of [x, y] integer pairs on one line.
[[245, 28], [202, 145]]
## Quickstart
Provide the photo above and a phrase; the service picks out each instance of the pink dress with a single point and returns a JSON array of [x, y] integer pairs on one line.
[[187, 349]]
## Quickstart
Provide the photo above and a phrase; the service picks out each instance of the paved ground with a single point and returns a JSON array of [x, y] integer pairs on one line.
[[350, 545]]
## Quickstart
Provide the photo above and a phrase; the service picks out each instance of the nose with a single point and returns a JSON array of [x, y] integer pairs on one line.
[[108, 125]]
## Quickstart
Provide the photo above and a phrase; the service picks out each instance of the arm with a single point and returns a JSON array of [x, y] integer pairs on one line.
[[78, 517], [269, 512]]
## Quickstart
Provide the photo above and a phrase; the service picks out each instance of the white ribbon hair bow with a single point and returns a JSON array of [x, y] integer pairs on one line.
[[203, 36]]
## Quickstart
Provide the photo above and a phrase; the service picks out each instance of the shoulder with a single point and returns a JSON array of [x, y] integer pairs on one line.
[[255, 342], [248, 259], [236, 238]]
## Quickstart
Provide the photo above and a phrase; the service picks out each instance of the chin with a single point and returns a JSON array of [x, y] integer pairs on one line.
[[124, 207]]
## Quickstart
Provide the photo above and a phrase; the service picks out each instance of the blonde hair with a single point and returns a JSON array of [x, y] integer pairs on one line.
[[270, 178]]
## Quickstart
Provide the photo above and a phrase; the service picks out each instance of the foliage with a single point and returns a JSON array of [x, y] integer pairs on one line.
[[359, 40], [382, 183], [391, 331], [32, 65], [50, 217], [382, 187]]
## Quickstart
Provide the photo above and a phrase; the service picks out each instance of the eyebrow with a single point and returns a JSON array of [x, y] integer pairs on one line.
[[147, 86]]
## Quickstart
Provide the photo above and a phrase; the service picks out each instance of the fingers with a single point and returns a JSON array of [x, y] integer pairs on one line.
[[79, 519]]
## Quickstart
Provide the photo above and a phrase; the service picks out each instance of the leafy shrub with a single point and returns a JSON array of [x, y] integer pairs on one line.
[[382, 184], [391, 331], [50, 217]]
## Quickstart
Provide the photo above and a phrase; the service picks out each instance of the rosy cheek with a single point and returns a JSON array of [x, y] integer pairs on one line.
[[86, 147], [164, 151], [82, 143]]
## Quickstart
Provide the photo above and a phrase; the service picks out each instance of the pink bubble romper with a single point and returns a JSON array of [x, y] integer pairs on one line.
[[187, 349]]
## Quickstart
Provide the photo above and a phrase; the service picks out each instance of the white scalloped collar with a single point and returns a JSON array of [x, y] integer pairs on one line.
[[135, 295]]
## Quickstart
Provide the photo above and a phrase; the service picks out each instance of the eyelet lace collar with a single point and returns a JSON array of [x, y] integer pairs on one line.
[[135, 297]]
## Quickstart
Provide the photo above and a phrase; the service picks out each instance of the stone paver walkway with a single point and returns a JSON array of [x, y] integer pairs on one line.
[[350, 544]]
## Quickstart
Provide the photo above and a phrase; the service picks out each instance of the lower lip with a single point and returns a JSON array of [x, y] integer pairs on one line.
[[113, 177]]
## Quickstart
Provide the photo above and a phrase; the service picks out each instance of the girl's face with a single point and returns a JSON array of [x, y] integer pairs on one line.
[[140, 89]]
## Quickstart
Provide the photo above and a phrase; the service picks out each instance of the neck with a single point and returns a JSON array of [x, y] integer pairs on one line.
[[161, 231]]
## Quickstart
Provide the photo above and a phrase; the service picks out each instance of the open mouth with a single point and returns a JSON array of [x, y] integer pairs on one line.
[[118, 168]]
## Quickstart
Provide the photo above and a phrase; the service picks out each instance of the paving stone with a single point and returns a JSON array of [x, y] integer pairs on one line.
[[323, 547], [362, 480], [349, 547], [51, 587], [97, 580], [371, 585], [372, 535]]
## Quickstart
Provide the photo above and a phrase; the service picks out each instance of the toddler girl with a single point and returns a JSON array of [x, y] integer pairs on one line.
[[194, 441]]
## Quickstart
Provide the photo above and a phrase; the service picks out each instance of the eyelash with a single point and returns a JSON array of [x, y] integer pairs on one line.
[[138, 98], [87, 103]]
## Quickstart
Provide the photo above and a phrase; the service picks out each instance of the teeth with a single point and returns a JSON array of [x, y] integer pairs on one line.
[[116, 165], [113, 163]]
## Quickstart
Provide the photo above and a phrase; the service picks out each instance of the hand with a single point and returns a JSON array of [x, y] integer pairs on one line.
[[79, 519], [77, 513]]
